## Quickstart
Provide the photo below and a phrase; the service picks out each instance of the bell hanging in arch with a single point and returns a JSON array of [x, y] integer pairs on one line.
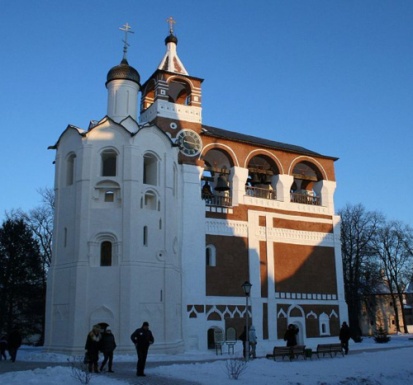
[[267, 179], [255, 179], [222, 183]]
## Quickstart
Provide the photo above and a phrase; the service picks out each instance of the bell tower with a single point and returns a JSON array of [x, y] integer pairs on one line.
[[171, 98]]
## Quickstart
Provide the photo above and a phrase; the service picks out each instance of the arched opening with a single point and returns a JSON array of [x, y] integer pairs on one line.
[[148, 96], [106, 253], [215, 337], [210, 337], [304, 188], [107, 191], [150, 169], [324, 324], [70, 169], [210, 255], [179, 92], [215, 180], [297, 318], [150, 200], [109, 163], [260, 182]]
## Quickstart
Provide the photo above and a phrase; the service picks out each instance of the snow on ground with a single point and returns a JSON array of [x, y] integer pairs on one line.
[[369, 367]]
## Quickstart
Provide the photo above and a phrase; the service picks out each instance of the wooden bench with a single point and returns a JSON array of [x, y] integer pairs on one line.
[[329, 349], [287, 351]]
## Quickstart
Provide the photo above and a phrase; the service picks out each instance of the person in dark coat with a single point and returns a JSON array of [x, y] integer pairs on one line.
[[107, 347], [142, 338], [92, 348], [291, 335], [243, 338], [344, 336], [14, 341], [3, 347]]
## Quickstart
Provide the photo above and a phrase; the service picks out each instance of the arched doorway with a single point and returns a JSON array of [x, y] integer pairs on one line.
[[297, 318], [215, 335]]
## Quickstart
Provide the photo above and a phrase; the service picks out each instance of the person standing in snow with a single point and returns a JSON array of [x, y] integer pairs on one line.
[[3, 347], [252, 337], [142, 338], [344, 336], [291, 335], [243, 338], [14, 341], [92, 348], [107, 347]]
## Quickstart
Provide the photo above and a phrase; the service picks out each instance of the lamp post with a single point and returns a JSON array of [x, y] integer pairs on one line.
[[246, 286]]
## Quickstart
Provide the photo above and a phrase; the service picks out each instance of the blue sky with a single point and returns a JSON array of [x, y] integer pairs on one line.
[[332, 76]]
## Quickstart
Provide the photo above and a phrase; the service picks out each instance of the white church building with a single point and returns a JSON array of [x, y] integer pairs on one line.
[[161, 218]]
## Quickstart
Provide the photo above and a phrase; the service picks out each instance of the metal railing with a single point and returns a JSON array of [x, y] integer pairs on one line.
[[217, 200], [259, 192], [305, 199]]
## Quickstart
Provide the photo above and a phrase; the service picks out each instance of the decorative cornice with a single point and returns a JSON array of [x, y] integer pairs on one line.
[[172, 111], [240, 229], [226, 228], [306, 296]]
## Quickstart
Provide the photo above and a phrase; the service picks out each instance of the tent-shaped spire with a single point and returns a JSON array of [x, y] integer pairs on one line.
[[171, 61]]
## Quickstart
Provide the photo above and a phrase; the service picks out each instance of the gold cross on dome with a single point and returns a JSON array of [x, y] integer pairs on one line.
[[127, 29], [170, 20]]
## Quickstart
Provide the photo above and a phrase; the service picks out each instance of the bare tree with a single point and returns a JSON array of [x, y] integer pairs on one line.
[[358, 228], [393, 245], [40, 221]]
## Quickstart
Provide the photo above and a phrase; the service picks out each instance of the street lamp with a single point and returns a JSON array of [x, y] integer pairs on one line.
[[246, 286]]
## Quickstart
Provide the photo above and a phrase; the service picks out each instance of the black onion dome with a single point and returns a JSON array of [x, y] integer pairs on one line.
[[171, 39], [123, 71]]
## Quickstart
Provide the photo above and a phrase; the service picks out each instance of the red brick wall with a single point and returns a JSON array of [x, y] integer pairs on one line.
[[231, 270], [304, 269]]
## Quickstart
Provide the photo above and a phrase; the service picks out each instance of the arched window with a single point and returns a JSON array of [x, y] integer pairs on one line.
[[104, 250], [324, 324], [150, 200], [150, 169], [106, 253], [70, 169], [109, 196], [179, 92], [148, 96], [109, 163], [260, 182], [107, 191], [210, 255], [306, 175]]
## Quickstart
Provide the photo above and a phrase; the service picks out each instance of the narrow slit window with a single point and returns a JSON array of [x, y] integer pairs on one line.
[[145, 235], [70, 170], [210, 256]]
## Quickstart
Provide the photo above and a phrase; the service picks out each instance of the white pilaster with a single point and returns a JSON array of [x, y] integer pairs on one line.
[[238, 178], [283, 185]]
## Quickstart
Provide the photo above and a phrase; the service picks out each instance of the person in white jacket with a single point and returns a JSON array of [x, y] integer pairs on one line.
[[252, 338]]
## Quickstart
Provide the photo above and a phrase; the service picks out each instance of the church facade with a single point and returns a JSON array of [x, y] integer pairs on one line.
[[162, 218]]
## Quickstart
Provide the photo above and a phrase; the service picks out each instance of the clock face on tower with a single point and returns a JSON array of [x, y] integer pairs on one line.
[[190, 143]]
